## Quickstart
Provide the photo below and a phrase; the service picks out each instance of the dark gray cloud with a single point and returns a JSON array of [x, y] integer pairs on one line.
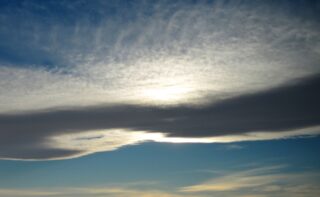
[[285, 108], [38, 153]]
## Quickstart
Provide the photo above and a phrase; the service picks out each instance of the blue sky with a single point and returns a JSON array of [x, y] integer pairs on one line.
[[159, 98], [170, 167]]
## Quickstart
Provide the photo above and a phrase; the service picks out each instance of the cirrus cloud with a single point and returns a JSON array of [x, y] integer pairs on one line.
[[101, 76]]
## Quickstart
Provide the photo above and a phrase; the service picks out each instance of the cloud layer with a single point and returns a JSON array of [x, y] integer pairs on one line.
[[150, 53], [282, 112], [77, 78]]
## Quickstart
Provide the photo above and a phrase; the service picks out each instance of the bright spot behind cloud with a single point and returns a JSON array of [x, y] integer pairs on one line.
[[151, 54], [178, 55], [167, 94]]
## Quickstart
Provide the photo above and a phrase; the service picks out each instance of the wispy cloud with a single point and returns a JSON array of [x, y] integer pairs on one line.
[[259, 181], [262, 181], [88, 192], [178, 53]]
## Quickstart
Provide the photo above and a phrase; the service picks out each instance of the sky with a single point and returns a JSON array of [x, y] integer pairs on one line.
[[159, 98]]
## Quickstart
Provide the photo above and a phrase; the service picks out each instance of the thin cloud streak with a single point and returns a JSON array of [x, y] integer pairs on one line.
[[89, 192], [257, 181], [262, 181]]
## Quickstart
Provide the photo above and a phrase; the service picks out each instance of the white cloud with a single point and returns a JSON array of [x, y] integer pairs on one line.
[[265, 181], [98, 141], [191, 55]]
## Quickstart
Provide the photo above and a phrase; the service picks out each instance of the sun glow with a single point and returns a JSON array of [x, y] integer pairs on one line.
[[167, 94]]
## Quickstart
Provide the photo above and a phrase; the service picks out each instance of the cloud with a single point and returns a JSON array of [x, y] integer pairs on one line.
[[236, 181], [262, 181], [88, 192], [101, 75], [150, 53], [283, 112]]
